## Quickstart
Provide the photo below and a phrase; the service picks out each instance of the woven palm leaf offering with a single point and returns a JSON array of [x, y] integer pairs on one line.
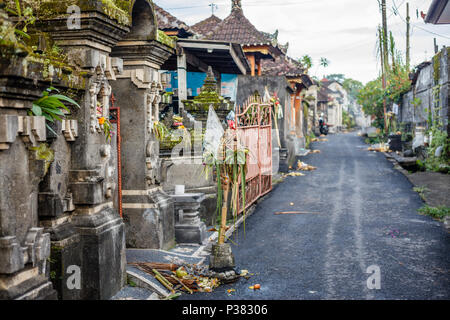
[[226, 156]]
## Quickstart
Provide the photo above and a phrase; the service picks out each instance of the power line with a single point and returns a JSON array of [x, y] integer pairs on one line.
[[419, 27]]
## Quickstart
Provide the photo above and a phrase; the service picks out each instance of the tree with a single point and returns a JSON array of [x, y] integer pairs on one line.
[[339, 77], [324, 62], [306, 61], [352, 86]]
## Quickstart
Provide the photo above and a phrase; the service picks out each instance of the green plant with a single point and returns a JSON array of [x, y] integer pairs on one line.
[[51, 106], [421, 191], [15, 33], [106, 125], [230, 166], [438, 213], [131, 283], [160, 130]]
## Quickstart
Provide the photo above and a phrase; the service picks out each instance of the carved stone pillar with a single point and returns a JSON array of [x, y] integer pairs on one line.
[[76, 199], [147, 210]]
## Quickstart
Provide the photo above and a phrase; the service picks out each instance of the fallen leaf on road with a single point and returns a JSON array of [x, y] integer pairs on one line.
[[294, 212], [295, 174], [212, 229], [315, 151], [304, 167], [291, 203], [324, 140]]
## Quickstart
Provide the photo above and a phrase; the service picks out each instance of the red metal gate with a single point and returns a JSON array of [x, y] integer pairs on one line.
[[114, 113], [254, 126]]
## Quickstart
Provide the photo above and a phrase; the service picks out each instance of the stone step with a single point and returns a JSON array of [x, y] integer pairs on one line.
[[146, 281]]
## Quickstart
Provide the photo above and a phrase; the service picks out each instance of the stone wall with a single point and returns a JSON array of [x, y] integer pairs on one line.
[[59, 212], [431, 91]]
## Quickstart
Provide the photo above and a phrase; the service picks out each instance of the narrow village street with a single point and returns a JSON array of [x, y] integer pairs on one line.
[[224, 150], [366, 215]]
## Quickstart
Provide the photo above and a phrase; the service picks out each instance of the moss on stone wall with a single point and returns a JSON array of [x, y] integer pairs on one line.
[[119, 10], [166, 40], [437, 68]]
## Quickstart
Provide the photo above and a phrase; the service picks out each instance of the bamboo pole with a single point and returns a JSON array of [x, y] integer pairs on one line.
[[223, 223]]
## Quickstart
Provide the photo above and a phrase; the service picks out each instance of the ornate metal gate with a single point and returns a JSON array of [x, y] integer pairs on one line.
[[254, 125]]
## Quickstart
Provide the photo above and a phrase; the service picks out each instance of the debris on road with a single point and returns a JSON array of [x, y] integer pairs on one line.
[[294, 174], [315, 151], [382, 147], [294, 212], [188, 278], [304, 167]]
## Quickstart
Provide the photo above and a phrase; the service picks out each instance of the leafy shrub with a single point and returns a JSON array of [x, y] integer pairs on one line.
[[438, 213]]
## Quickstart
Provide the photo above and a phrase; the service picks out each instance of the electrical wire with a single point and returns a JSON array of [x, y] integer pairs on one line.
[[419, 27]]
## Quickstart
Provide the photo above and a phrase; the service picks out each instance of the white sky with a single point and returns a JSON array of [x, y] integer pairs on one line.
[[343, 31]]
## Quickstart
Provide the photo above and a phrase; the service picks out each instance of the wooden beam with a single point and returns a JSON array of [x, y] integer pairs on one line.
[[196, 62], [251, 58], [259, 67], [238, 61]]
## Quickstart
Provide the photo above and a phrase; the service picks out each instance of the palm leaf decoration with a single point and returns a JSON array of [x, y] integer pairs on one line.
[[51, 106]]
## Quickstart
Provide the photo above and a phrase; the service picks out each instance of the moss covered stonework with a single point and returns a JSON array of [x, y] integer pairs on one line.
[[119, 10], [208, 96], [166, 40]]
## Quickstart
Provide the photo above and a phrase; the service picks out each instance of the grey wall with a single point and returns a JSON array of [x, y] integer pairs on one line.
[[423, 90]]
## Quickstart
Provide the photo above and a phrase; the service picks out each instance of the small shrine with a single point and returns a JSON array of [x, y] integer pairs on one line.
[[199, 106]]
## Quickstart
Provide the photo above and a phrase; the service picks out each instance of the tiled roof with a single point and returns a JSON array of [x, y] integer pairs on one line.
[[206, 26], [166, 21], [238, 29], [282, 65]]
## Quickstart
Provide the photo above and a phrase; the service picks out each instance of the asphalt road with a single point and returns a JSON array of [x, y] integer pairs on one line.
[[366, 216]]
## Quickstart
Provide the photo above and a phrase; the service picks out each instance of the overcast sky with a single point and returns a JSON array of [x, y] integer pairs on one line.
[[343, 31]]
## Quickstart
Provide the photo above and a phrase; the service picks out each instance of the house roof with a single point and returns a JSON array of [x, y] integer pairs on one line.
[[222, 56], [439, 12], [168, 22], [282, 65], [237, 28], [206, 26]]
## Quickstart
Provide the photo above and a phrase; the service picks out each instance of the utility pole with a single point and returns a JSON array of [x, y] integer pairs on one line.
[[408, 52], [436, 47], [384, 56], [385, 35]]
